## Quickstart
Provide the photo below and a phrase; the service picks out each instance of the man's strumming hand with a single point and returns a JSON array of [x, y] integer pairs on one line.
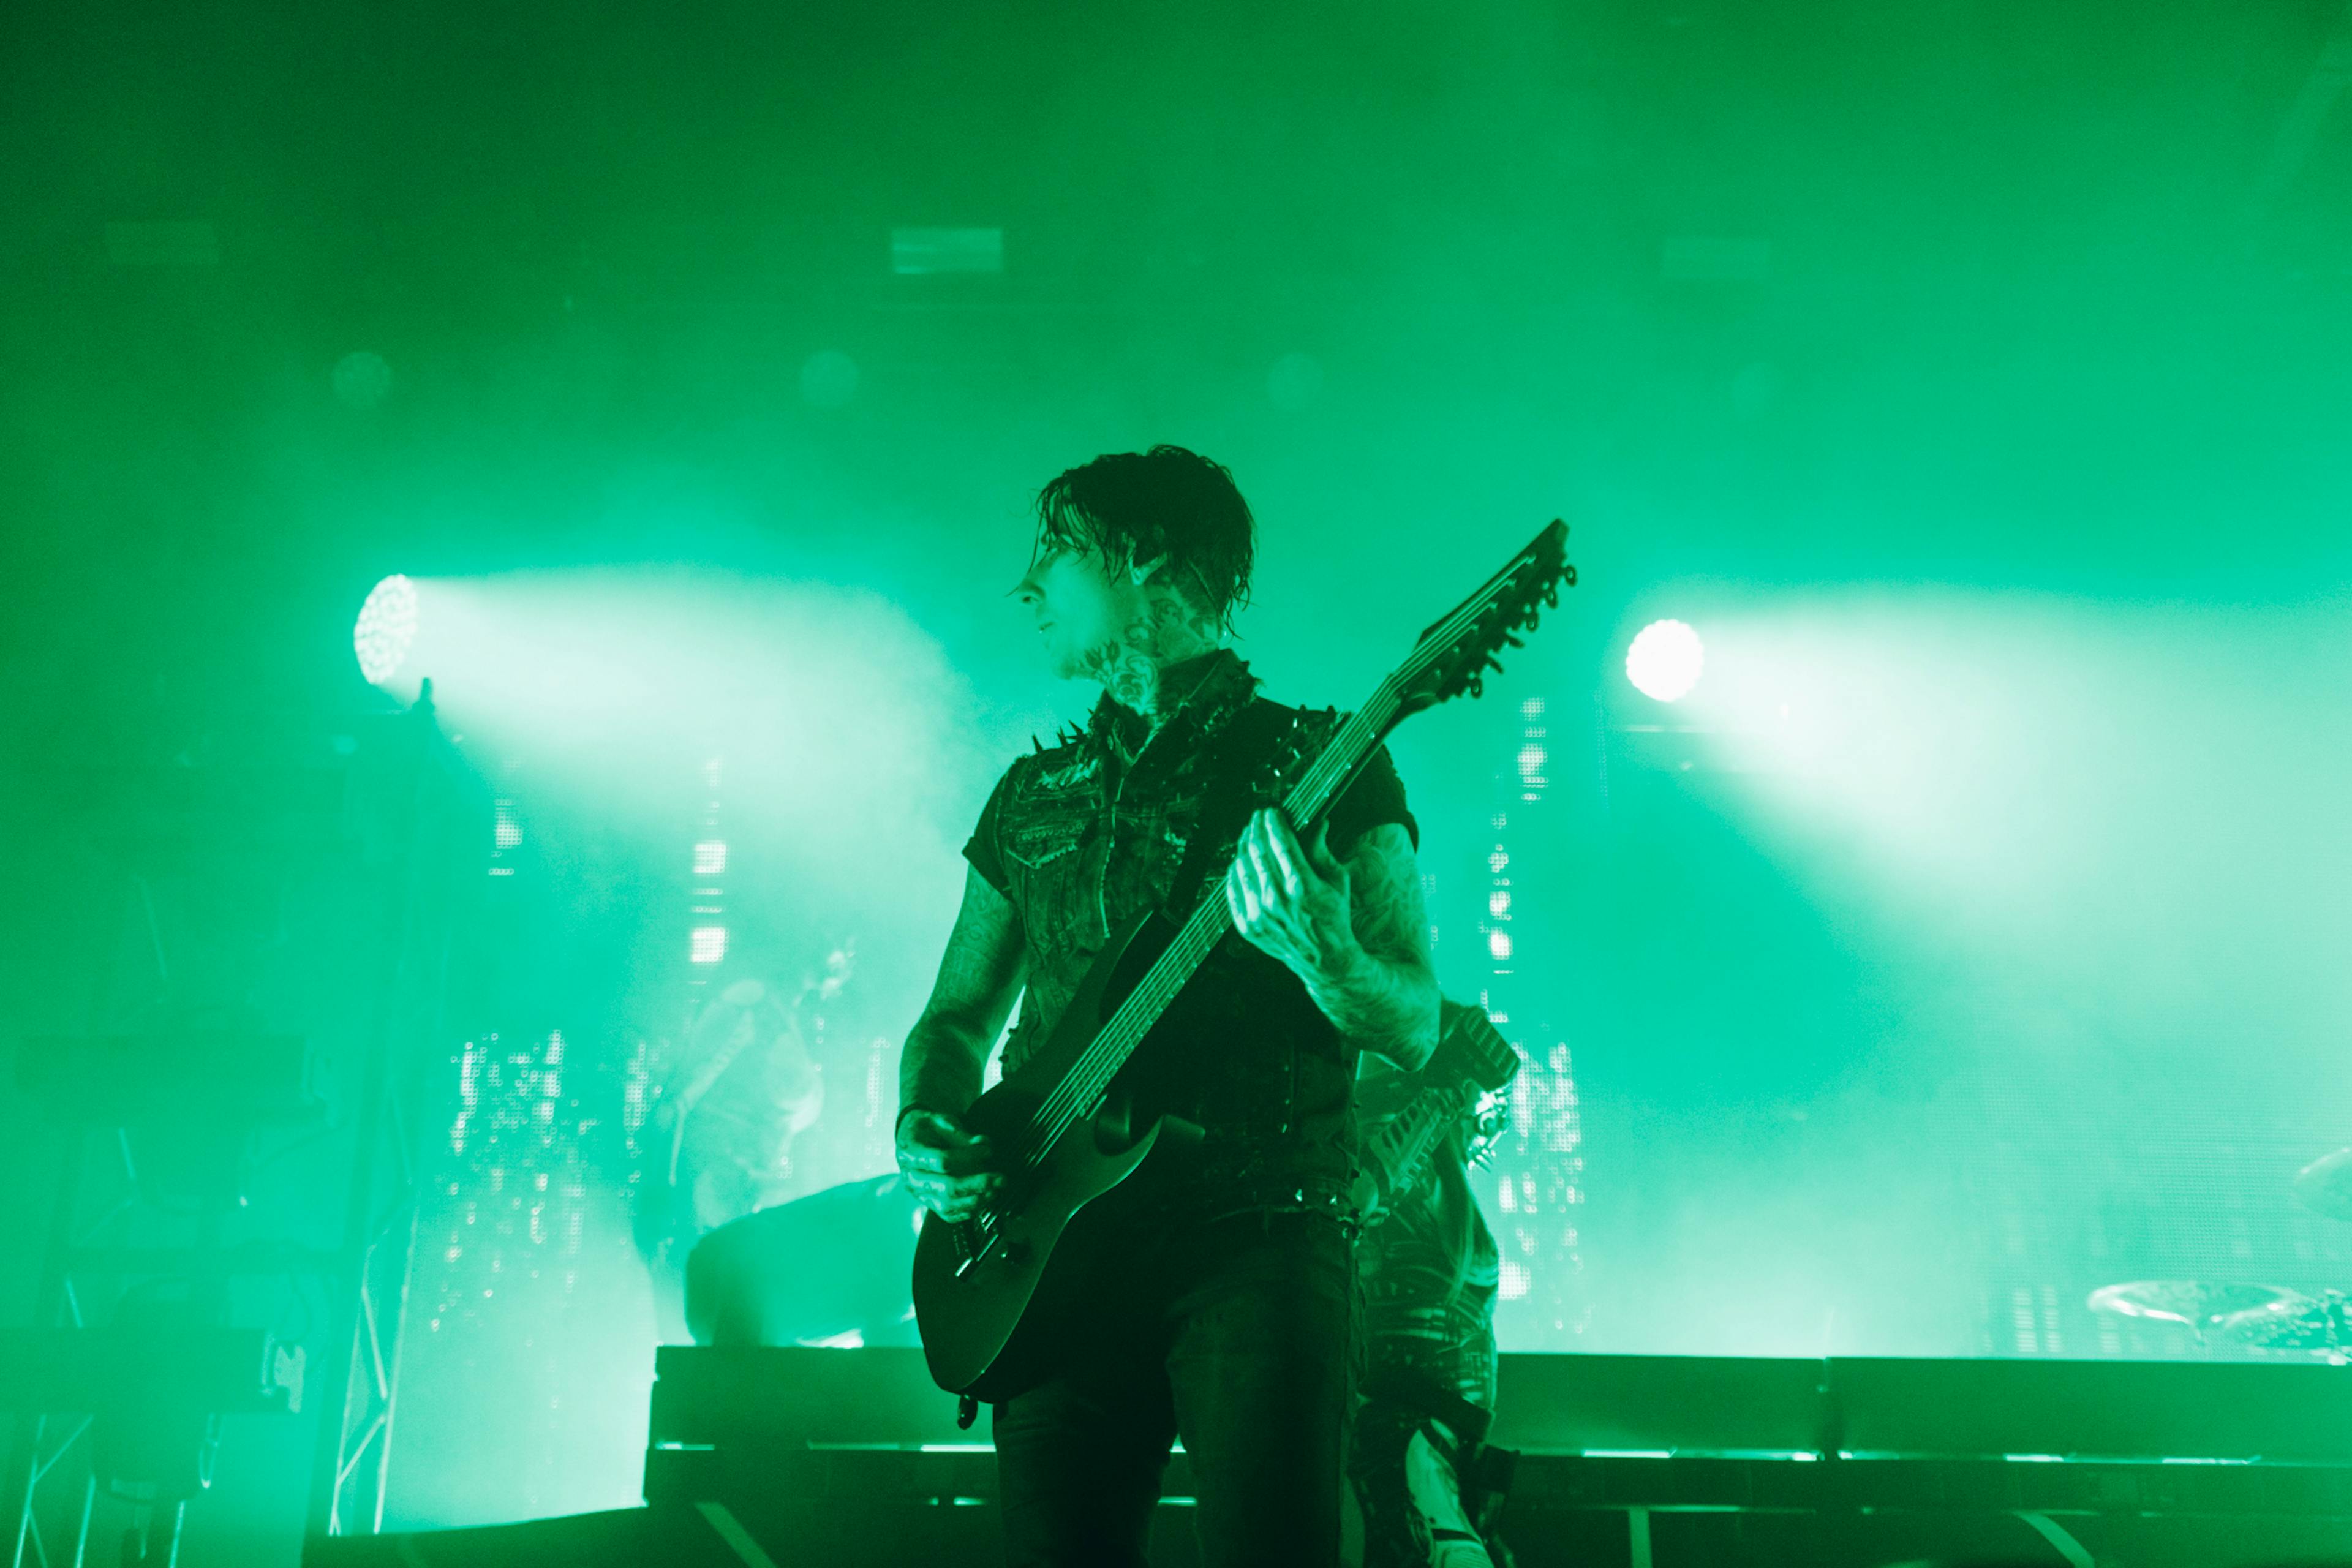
[[945, 1166]]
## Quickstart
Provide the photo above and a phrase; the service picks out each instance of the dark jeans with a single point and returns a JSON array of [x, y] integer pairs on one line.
[[1233, 1335]]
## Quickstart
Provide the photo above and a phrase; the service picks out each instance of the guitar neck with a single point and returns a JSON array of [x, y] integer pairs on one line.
[[1399, 1148], [1436, 667], [1333, 770]]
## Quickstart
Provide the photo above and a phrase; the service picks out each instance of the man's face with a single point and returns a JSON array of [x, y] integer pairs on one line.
[[1079, 606]]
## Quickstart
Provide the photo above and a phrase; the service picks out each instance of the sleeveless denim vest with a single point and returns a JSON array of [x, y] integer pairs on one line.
[[1084, 841]]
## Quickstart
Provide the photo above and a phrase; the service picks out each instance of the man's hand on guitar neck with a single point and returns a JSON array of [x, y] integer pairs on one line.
[[1354, 933]]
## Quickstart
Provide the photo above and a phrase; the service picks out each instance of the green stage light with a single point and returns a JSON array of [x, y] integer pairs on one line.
[[1665, 660], [387, 627]]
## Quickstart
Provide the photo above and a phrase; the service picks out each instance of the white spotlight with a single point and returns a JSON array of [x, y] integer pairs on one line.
[[387, 627], [1665, 660]]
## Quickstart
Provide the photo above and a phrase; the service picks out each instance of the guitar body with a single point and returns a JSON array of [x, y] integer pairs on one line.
[[989, 1304]]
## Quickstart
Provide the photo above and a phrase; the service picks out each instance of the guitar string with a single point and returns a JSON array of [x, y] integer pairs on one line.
[[1191, 944], [1197, 937], [1082, 1089], [1088, 1078], [1093, 1071], [1103, 1058]]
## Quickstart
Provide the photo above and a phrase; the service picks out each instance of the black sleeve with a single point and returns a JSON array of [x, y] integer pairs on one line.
[[1376, 797], [981, 848]]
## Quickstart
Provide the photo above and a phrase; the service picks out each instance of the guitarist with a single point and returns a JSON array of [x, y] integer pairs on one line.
[[1218, 1278]]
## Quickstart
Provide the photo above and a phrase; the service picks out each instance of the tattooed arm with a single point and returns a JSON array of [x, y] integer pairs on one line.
[[1354, 933], [940, 1072]]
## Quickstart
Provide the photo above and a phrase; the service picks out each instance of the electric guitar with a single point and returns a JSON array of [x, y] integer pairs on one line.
[[1409, 1114], [986, 1287]]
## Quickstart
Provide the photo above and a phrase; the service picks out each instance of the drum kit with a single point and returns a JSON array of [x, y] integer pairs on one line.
[[2264, 1317]]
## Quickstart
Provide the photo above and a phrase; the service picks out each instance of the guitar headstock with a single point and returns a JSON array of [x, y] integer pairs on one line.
[[1453, 656]]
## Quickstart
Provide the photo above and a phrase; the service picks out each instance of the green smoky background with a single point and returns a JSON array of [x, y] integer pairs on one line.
[[1972, 376]]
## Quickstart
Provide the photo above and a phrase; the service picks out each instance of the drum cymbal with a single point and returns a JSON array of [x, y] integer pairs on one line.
[[2324, 1186], [2195, 1304], [2305, 1323]]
